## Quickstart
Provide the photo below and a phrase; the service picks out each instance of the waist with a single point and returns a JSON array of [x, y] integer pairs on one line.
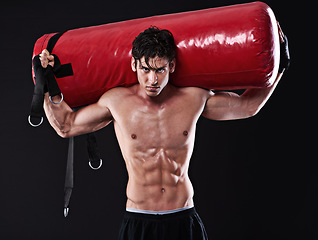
[[160, 217], [132, 210]]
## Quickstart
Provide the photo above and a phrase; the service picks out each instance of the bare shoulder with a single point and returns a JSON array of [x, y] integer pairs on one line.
[[114, 95], [196, 93]]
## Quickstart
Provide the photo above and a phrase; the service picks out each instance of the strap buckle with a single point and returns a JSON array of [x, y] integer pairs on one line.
[[96, 168], [35, 125], [62, 97]]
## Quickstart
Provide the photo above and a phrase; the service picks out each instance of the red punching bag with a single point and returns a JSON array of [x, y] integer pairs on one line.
[[234, 47]]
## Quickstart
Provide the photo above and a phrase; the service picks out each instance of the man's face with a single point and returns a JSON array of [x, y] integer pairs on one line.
[[153, 79]]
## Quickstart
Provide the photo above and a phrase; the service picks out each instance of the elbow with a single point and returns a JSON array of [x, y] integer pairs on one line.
[[63, 135], [63, 128], [253, 111], [62, 131]]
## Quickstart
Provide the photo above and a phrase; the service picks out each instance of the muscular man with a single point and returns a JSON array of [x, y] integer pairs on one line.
[[155, 126]]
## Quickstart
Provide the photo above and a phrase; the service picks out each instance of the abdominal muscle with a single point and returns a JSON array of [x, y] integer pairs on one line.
[[156, 141], [159, 181]]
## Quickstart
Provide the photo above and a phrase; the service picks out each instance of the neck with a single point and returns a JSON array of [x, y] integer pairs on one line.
[[161, 98]]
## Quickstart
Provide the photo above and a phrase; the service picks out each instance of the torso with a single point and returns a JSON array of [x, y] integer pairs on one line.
[[156, 140]]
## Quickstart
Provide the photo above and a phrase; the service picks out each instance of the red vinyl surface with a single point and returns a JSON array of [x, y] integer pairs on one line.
[[234, 47]]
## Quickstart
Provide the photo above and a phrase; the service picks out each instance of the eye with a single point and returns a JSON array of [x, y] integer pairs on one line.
[[145, 69], [161, 70]]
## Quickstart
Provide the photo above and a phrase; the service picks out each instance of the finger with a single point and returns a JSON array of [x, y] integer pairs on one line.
[[45, 52], [50, 57], [43, 57], [44, 64], [280, 32], [44, 61]]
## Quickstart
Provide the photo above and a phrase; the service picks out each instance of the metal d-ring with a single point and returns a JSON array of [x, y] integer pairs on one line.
[[66, 211], [35, 125], [57, 102], [100, 164]]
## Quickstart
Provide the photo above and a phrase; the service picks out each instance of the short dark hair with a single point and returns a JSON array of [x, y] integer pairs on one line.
[[154, 42]]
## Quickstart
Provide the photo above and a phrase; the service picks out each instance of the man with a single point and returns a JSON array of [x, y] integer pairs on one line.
[[155, 126]]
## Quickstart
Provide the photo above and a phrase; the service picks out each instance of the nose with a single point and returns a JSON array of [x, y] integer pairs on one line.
[[153, 78]]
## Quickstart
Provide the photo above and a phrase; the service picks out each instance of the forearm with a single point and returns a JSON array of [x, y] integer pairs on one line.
[[229, 106], [256, 98], [59, 115], [68, 123], [64, 120]]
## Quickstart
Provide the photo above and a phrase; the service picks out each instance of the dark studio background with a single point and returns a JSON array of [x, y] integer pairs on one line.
[[253, 178]]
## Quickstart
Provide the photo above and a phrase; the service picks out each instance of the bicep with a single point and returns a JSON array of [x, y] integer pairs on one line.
[[91, 118], [225, 106]]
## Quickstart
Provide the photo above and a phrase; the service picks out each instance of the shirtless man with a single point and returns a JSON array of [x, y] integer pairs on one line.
[[155, 126]]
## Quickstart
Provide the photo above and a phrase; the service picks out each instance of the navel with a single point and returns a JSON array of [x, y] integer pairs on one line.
[[162, 190], [133, 136], [185, 133]]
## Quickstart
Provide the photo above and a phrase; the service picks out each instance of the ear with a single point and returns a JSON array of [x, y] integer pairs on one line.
[[172, 66], [133, 64]]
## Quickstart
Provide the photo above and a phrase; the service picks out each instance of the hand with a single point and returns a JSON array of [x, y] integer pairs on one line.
[[280, 33], [284, 51], [46, 59]]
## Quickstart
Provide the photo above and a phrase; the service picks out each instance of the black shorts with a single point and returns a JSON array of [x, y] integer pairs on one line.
[[184, 225]]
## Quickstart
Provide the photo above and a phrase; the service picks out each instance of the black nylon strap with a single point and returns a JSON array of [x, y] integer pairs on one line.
[[92, 149], [45, 80], [59, 69], [53, 40], [94, 156], [69, 176], [52, 85], [62, 70], [39, 89]]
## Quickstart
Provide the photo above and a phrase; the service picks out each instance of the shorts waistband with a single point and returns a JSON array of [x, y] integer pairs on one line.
[[132, 210]]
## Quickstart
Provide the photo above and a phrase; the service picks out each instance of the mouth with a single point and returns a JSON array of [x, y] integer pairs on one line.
[[152, 89]]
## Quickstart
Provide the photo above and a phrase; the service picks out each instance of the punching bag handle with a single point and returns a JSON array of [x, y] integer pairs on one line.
[[53, 40], [45, 80]]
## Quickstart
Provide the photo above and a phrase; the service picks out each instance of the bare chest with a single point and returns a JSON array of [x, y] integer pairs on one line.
[[161, 128], [167, 126]]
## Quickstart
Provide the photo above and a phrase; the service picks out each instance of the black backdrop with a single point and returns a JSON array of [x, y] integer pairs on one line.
[[253, 178]]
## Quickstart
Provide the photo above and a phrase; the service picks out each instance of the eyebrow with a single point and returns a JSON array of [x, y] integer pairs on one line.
[[151, 68]]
